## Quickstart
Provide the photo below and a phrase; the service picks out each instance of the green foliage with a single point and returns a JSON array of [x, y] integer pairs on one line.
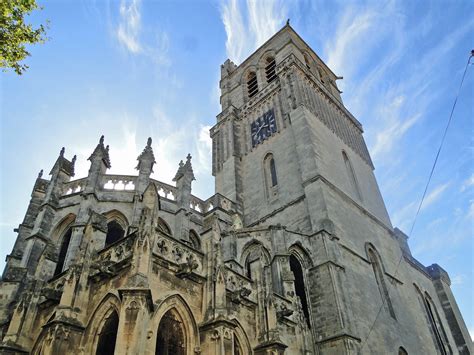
[[15, 34]]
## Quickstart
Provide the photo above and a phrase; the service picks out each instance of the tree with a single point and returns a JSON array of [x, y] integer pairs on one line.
[[15, 33]]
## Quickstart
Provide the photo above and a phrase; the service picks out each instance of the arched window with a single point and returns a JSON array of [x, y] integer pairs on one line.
[[270, 72], [351, 175], [108, 335], [402, 351], [379, 277], [163, 226], [270, 172], [115, 232], [237, 348], [252, 84], [63, 251], [255, 257], [300, 290], [194, 239], [170, 339], [436, 326]]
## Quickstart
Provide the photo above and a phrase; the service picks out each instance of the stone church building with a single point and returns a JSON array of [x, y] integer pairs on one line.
[[293, 254]]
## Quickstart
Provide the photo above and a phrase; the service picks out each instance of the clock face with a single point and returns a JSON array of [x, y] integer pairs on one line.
[[263, 127]]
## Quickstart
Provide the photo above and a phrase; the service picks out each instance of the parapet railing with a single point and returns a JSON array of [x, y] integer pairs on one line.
[[128, 183]]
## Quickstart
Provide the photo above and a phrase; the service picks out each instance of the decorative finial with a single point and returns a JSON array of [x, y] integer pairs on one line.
[[101, 140], [74, 159], [107, 148], [288, 22], [61, 153], [148, 142], [181, 164], [188, 158], [40, 174]]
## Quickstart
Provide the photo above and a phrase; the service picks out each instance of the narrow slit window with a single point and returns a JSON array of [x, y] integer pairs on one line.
[[252, 84], [379, 277], [270, 72], [351, 176], [273, 173], [300, 290], [63, 251]]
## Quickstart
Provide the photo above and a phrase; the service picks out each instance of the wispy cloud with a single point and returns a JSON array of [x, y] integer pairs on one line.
[[248, 25], [467, 183], [129, 25], [131, 37], [404, 216]]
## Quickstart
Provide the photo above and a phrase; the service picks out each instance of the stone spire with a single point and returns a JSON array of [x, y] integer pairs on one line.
[[100, 162], [101, 154], [146, 160], [62, 164], [183, 178], [185, 170]]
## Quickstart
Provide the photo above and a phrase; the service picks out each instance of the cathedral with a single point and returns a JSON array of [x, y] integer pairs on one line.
[[294, 253]]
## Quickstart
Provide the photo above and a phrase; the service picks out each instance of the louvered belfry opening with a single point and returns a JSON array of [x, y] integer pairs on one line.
[[270, 72], [252, 84]]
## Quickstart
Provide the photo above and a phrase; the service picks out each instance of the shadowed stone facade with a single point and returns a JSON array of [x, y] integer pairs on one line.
[[294, 254]]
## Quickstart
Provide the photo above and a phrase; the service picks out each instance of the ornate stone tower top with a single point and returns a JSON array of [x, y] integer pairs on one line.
[[283, 126]]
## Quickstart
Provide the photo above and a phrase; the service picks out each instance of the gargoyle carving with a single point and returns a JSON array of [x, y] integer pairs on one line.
[[284, 312]]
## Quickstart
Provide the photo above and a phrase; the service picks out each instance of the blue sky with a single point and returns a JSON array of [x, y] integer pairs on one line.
[[133, 69]]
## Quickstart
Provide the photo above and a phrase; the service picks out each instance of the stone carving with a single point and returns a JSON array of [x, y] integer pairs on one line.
[[284, 311], [186, 269]]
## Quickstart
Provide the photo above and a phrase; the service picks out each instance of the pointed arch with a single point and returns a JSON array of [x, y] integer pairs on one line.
[[163, 226], [300, 286], [379, 271], [254, 252], [62, 226], [241, 339], [103, 313], [117, 225], [180, 312], [351, 175], [402, 351], [62, 252], [270, 175], [194, 239], [302, 254]]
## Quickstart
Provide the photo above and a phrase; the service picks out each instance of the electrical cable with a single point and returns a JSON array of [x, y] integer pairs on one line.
[[424, 193]]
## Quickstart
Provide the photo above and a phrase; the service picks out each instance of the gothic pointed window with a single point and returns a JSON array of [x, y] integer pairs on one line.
[[194, 239], [380, 279], [270, 73], [271, 178], [436, 326], [252, 84], [108, 335], [163, 226], [237, 348], [351, 175], [170, 339], [63, 251], [115, 232], [300, 289]]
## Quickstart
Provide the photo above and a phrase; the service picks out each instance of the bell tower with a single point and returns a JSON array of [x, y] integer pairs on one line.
[[284, 136]]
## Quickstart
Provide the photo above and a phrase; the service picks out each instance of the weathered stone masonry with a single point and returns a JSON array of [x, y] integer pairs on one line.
[[293, 254]]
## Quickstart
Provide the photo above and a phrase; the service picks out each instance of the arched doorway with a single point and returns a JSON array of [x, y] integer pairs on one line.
[[170, 339], [108, 335]]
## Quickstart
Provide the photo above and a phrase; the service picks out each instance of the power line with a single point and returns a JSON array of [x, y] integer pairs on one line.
[[424, 192]]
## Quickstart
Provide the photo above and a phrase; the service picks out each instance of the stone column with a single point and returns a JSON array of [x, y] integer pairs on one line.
[[137, 305]]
